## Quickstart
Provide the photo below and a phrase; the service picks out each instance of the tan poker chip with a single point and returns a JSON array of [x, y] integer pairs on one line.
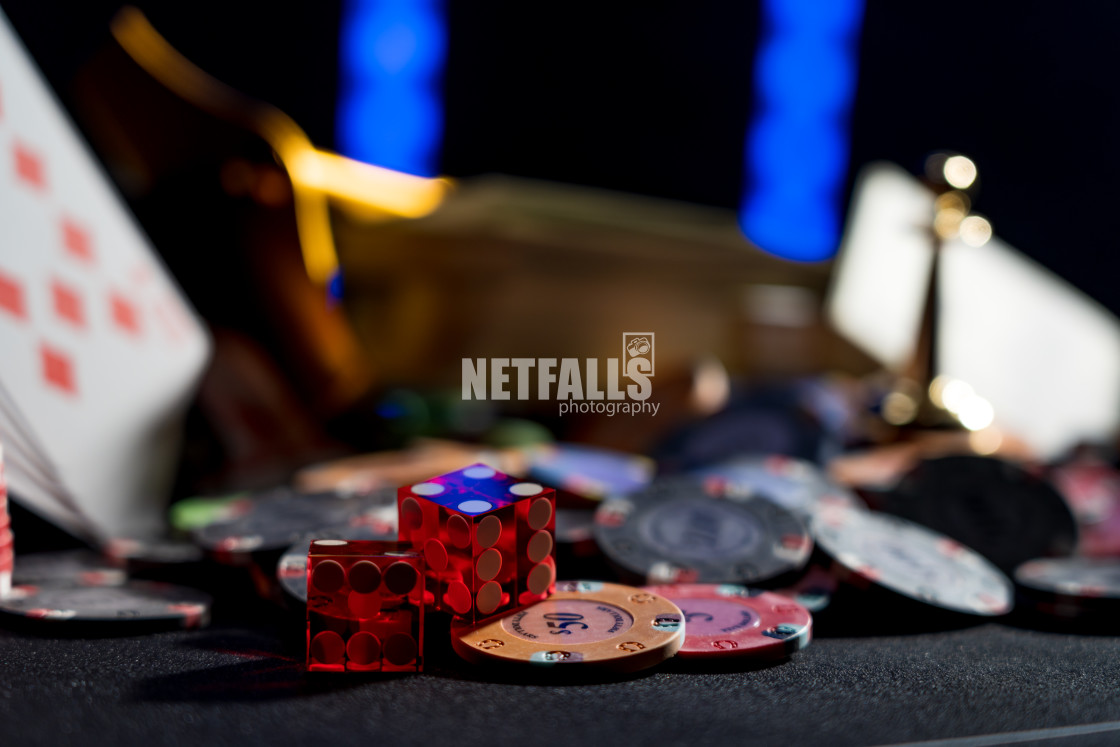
[[603, 625], [417, 463]]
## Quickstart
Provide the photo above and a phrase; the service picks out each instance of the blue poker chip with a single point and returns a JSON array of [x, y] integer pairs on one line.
[[588, 471], [770, 419], [676, 531], [793, 484]]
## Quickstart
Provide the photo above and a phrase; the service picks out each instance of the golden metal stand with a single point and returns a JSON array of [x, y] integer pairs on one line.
[[914, 401]]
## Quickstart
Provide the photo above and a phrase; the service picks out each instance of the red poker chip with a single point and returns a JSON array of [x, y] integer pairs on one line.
[[727, 620]]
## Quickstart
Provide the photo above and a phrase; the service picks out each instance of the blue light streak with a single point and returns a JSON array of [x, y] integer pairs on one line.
[[390, 110], [797, 147]]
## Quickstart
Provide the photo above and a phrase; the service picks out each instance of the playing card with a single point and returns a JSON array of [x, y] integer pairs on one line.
[[15, 429], [100, 349]]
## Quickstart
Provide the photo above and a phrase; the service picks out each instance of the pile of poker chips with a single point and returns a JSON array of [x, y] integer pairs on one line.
[[87, 592], [1091, 488], [607, 626], [765, 524], [7, 540], [748, 550]]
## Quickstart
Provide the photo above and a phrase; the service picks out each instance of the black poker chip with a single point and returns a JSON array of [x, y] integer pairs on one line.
[[996, 508], [69, 567], [151, 552], [270, 521], [676, 531], [117, 608], [574, 525], [1070, 588]]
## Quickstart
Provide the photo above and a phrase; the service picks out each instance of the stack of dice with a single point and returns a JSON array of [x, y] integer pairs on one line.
[[7, 543], [473, 543]]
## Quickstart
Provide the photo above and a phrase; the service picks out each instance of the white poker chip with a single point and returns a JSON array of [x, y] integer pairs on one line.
[[876, 549]]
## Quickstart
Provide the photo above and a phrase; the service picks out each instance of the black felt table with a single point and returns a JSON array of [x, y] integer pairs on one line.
[[240, 682]]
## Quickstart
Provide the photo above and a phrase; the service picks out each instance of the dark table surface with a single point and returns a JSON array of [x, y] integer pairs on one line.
[[240, 682]]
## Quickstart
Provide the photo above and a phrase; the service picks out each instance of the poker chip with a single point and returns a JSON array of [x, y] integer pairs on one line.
[[871, 549], [677, 531], [1091, 488], [381, 469], [291, 571], [813, 591], [588, 623], [67, 567], [574, 526], [997, 509], [192, 514], [727, 620], [588, 471], [765, 420], [134, 603], [151, 552], [7, 541], [1090, 578], [1070, 587], [273, 520], [793, 484]]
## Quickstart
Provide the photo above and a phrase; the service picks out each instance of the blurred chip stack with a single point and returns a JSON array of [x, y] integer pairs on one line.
[[7, 550]]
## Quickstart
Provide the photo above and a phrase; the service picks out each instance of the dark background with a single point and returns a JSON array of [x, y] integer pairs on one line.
[[652, 97], [655, 97]]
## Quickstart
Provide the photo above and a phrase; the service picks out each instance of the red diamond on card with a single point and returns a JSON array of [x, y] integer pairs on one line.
[[76, 241], [29, 167], [58, 371], [125, 315], [11, 296], [67, 304]]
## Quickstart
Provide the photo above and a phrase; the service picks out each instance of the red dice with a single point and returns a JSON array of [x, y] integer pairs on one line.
[[487, 539], [365, 607]]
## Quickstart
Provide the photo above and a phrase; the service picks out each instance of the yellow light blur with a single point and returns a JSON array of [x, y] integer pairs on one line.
[[955, 394], [711, 386], [947, 223], [975, 413], [959, 171], [954, 199], [899, 408], [315, 174], [985, 441], [936, 388], [975, 230], [392, 192]]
